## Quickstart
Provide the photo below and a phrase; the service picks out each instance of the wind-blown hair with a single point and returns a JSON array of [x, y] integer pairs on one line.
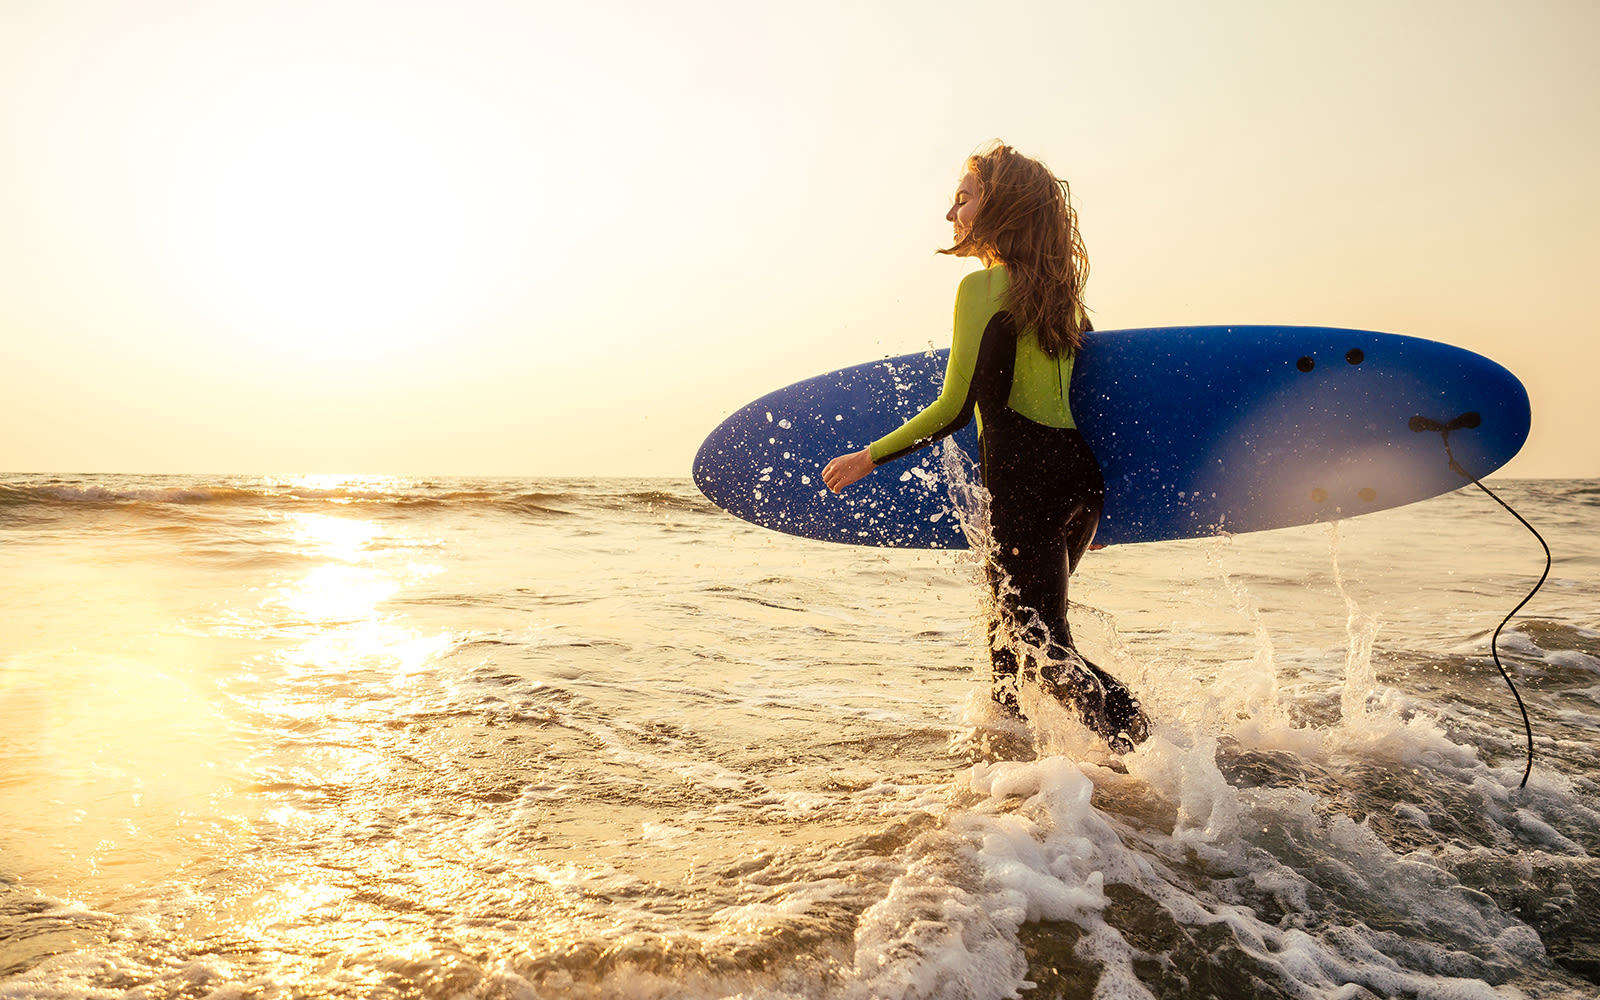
[[1026, 221]]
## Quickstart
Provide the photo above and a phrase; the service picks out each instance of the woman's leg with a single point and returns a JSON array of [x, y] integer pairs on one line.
[[1029, 518], [1021, 587], [1003, 668], [1046, 497]]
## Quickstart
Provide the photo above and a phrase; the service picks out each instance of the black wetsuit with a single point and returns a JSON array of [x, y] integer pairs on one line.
[[1046, 495]]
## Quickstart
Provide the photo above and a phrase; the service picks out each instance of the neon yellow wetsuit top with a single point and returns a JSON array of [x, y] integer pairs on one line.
[[1039, 383]]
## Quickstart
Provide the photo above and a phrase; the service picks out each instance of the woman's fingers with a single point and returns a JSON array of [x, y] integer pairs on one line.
[[846, 469]]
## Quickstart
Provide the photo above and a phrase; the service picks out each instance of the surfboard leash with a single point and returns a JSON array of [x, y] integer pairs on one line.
[[1470, 420]]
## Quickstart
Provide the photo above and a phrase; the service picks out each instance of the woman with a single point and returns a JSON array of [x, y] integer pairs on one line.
[[1018, 325]]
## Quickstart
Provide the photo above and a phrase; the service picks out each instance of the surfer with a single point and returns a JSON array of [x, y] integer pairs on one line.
[[1019, 323]]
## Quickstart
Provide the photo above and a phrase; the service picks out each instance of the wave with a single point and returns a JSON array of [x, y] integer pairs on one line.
[[535, 498], [97, 495]]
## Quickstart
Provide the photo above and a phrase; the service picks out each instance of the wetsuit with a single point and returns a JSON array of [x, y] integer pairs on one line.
[[1046, 495]]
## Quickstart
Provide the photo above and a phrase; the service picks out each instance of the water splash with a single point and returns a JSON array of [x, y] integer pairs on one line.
[[1262, 700], [1360, 679]]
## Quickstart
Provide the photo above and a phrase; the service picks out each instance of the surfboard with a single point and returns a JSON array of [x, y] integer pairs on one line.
[[1198, 430]]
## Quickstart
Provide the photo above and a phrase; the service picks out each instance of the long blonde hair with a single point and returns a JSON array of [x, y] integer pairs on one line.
[[1026, 221]]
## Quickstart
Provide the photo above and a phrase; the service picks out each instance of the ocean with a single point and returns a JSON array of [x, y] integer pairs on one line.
[[590, 738]]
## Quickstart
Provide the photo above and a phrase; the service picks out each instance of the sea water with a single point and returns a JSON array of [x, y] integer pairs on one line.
[[378, 737]]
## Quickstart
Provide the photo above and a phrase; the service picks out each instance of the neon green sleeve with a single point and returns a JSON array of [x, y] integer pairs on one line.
[[980, 296]]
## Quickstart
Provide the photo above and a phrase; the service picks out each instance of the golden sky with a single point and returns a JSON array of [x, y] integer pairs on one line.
[[523, 238]]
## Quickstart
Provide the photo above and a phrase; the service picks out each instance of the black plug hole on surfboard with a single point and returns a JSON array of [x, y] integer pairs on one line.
[[1355, 356], [1306, 363]]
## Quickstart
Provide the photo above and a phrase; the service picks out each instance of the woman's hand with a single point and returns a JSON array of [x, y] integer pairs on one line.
[[846, 469]]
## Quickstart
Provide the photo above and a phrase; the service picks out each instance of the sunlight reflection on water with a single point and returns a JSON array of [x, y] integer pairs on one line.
[[409, 747]]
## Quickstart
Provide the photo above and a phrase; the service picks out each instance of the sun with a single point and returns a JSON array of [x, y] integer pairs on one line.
[[335, 230]]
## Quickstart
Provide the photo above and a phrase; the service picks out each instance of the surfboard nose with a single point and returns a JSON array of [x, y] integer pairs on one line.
[[1359, 422]]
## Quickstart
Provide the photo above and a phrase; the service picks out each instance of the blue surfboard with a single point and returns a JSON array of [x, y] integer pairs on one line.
[[1199, 431]]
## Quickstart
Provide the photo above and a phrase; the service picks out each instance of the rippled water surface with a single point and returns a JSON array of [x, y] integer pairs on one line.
[[595, 738]]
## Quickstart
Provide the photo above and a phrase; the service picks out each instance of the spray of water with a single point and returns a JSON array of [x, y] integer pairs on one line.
[[1360, 680], [1263, 701], [1060, 726]]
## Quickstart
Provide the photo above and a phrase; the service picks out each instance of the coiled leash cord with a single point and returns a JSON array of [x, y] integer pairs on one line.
[[1470, 420]]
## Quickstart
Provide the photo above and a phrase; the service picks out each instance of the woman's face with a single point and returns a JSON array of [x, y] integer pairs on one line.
[[965, 208]]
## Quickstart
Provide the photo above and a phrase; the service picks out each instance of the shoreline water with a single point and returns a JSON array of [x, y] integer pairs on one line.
[[501, 737]]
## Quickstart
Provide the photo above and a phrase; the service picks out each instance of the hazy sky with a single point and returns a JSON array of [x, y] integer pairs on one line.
[[532, 239]]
